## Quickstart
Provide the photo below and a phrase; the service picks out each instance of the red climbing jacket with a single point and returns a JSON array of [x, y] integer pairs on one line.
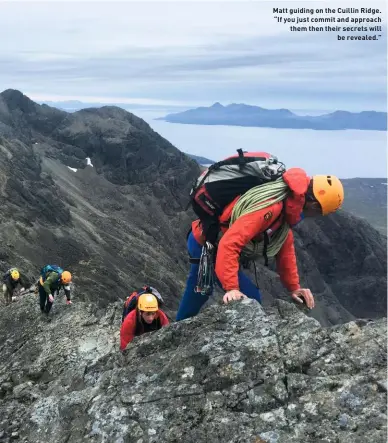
[[253, 225], [133, 326]]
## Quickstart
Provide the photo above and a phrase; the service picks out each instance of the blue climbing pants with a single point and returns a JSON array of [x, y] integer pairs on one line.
[[192, 301]]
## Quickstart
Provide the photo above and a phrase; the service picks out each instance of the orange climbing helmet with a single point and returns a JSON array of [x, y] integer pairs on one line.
[[66, 277], [329, 192]]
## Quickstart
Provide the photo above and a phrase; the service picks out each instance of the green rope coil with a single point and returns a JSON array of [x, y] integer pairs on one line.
[[258, 198]]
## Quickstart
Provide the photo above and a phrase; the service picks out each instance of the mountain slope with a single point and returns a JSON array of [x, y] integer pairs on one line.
[[122, 222], [246, 115], [112, 224]]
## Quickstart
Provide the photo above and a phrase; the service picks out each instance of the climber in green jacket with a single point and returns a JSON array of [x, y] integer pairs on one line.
[[52, 279]]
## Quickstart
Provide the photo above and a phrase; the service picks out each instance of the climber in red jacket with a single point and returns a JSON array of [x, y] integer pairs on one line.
[[307, 197], [146, 317]]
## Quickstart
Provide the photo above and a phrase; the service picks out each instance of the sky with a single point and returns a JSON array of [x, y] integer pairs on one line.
[[188, 54]]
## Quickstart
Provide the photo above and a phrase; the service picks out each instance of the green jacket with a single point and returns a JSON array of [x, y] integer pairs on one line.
[[52, 284]]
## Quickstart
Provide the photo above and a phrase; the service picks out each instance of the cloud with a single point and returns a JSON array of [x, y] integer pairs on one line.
[[181, 52]]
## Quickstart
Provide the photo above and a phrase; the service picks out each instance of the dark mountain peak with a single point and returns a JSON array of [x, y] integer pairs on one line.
[[103, 110], [22, 118], [217, 105], [106, 112], [111, 119], [12, 94], [124, 148], [15, 99]]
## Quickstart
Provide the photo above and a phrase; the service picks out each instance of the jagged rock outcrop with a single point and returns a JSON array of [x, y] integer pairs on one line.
[[232, 374]]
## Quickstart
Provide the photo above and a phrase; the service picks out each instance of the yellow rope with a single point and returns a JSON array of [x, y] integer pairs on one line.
[[258, 198]]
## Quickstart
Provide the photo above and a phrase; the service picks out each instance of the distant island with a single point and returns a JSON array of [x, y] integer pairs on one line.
[[247, 115]]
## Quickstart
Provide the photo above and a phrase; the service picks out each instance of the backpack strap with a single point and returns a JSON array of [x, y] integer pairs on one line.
[[241, 159]]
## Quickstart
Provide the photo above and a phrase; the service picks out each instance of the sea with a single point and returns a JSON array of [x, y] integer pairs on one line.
[[345, 153]]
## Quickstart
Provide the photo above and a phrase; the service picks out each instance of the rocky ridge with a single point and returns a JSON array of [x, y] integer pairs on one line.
[[232, 374], [101, 193]]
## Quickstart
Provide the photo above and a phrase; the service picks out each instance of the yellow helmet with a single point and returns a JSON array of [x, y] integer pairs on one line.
[[15, 274], [66, 277], [329, 192], [147, 303]]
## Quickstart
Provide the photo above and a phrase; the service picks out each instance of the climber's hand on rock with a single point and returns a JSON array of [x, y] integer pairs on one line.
[[234, 294], [303, 296]]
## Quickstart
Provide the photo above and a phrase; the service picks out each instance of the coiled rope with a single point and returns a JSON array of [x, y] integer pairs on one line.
[[257, 198]]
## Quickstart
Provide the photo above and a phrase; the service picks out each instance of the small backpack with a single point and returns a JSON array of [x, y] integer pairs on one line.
[[131, 301], [48, 269]]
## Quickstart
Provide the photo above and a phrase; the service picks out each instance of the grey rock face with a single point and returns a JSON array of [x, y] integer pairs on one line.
[[232, 374]]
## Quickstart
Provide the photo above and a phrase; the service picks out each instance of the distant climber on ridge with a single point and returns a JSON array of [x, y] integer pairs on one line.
[[247, 205], [52, 279], [11, 280], [142, 314]]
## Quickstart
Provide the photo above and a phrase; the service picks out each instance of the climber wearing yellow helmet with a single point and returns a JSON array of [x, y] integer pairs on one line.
[[11, 279], [52, 279], [325, 195], [146, 317], [256, 222]]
